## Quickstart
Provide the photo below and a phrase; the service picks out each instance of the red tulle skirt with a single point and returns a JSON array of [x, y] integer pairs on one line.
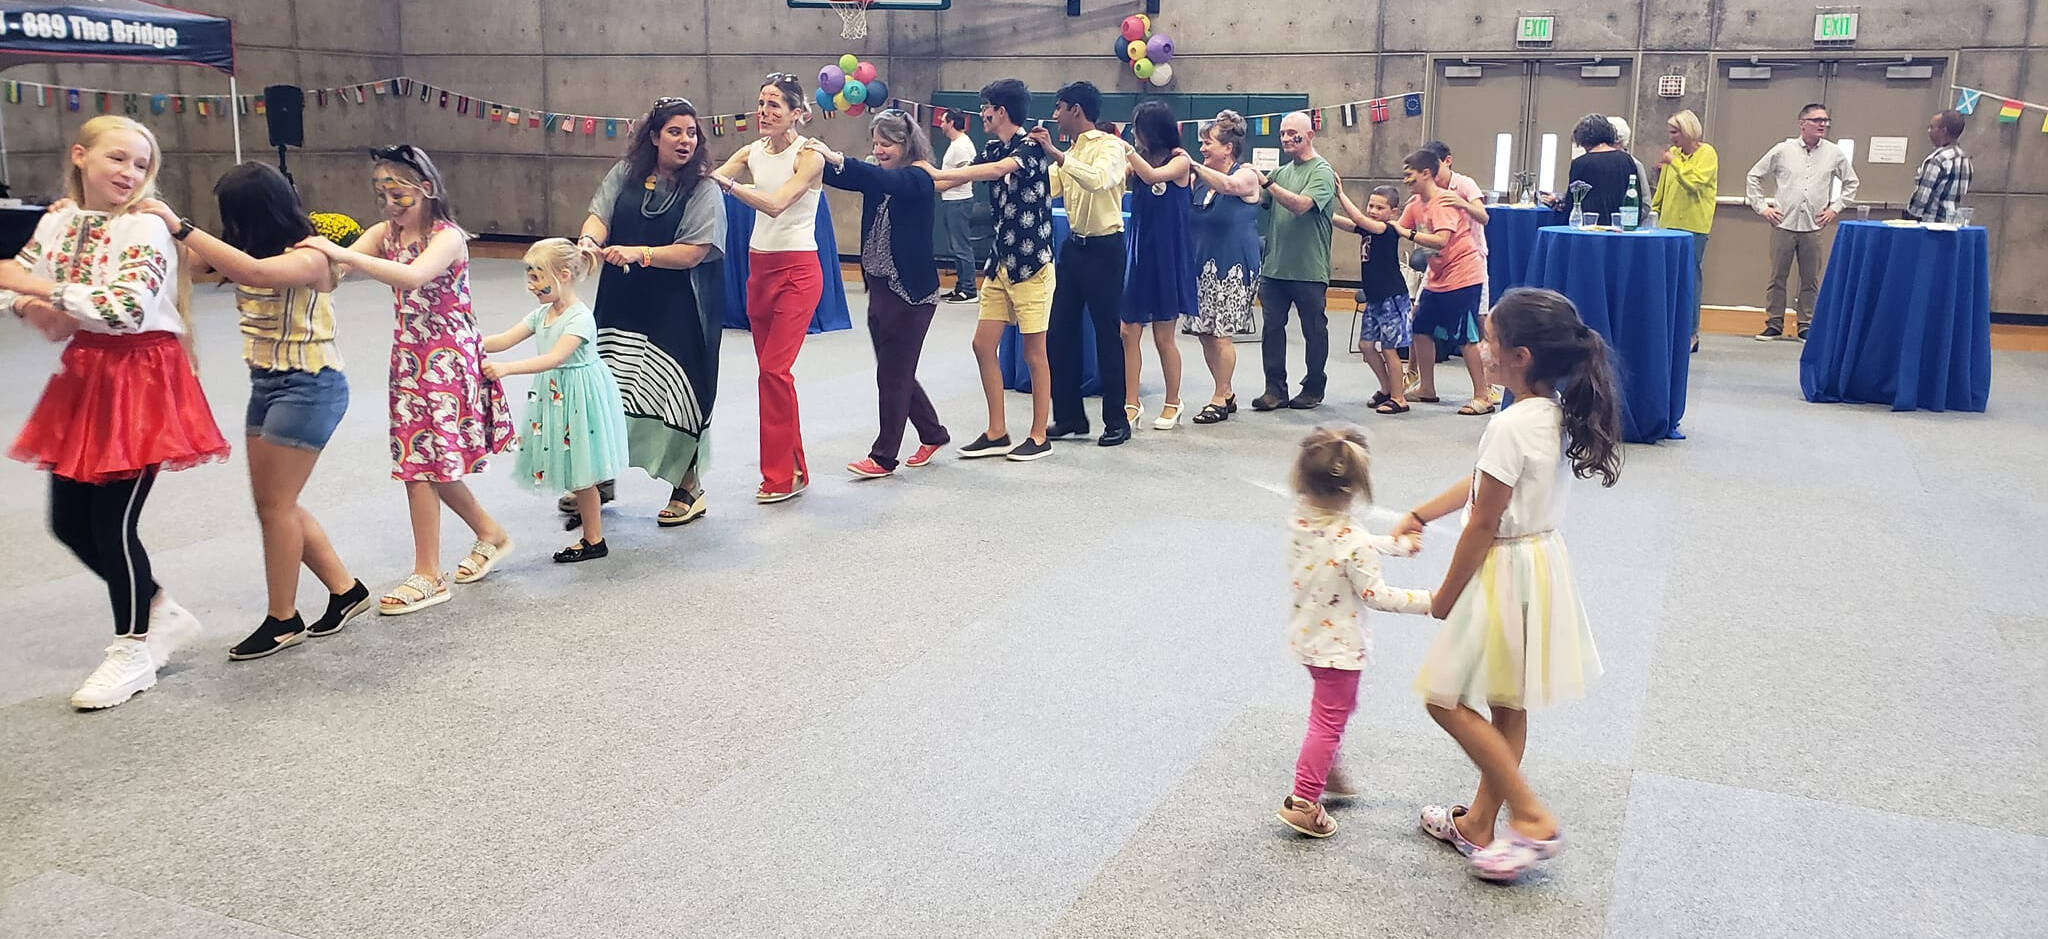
[[120, 405]]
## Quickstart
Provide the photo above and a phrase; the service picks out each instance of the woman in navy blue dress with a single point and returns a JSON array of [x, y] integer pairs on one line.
[[1161, 286]]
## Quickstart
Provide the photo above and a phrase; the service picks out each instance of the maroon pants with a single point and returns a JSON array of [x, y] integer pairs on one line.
[[897, 328], [782, 295]]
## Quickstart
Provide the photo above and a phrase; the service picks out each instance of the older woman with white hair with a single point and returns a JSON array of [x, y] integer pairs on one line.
[[1622, 138], [898, 199]]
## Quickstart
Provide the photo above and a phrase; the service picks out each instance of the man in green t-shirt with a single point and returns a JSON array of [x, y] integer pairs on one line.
[[1294, 269]]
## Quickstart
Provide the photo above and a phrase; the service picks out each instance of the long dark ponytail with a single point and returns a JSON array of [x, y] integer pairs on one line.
[[1575, 360]]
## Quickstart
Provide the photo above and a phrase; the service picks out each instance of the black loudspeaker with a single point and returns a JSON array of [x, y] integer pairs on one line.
[[285, 108]]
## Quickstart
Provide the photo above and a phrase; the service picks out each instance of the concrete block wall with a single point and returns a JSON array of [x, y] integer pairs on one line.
[[615, 56], [311, 43]]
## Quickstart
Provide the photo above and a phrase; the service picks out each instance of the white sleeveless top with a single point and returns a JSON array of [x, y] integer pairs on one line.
[[796, 228]]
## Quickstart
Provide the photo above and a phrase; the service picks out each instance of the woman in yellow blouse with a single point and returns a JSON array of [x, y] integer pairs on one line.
[[1687, 181]]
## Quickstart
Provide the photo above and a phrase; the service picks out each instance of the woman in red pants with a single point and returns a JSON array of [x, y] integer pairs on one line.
[[783, 280]]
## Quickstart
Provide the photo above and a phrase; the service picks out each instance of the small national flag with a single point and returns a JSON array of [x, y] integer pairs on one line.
[[177, 104], [497, 114], [512, 118], [611, 128], [262, 106], [938, 116], [533, 121], [569, 123], [444, 99], [320, 97], [242, 103], [13, 92], [401, 86], [1966, 100], [205, 107], [590, 127], [2009, 112], [42, 96], [157, 103], [462, 104], [71, 99], [2044, 125], [426, 92], [718, 126], [1265, 126], [739, 123], [1411, 104], [1315, 119], [1350, 115], [362, 97], [386, 87], [548, 121]]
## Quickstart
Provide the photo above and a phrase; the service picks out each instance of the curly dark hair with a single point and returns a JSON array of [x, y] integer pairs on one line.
[[641, 158], [1594, 130]]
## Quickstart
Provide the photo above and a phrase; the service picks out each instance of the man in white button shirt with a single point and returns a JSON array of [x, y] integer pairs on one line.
[[956, 207], [1803, 172]]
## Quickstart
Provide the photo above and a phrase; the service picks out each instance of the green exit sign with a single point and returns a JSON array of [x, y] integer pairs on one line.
[[1535, 28], [1834, 27]]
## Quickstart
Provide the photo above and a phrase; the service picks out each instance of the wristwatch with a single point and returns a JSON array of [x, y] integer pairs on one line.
[[184, 229], [1265, 182]]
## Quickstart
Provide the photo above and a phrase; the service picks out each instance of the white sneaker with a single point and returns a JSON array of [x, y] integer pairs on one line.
[[171, 628], [128, 669]]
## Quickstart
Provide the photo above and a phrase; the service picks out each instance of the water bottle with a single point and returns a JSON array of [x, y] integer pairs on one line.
[[1631, 209], [1578, 219]]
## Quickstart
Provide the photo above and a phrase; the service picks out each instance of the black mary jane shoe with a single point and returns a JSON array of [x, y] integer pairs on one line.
[[1212, 414], [581, 551]]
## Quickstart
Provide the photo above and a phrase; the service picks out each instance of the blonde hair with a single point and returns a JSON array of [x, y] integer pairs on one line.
[[1689, 127], [1333, 468], [89, 136], [561, 254]]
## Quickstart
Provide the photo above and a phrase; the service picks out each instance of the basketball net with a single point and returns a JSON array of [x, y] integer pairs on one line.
[[853, 18]]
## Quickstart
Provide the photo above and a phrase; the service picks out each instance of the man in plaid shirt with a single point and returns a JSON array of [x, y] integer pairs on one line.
[[1944, 175]]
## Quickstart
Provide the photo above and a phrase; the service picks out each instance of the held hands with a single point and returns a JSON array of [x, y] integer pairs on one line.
[[1410, 526], [1440, 603], [46, 319]]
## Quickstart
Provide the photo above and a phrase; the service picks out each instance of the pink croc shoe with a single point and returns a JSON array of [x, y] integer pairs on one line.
[[1508, 858], [1440, 822]]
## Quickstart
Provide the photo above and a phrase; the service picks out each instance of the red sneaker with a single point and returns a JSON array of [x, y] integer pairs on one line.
[[867, 468], [923, 455]]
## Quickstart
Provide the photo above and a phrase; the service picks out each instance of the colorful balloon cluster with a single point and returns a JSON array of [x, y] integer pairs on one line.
[[851, 85], [1148, 54]]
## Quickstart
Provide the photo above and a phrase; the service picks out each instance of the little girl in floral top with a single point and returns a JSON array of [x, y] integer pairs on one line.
[[1336, 576], [446, 417]]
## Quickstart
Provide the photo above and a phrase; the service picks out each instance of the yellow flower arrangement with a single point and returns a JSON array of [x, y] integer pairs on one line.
[[336, 227]]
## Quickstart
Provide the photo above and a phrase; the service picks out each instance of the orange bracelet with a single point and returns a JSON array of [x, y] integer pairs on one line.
[[646, 256]]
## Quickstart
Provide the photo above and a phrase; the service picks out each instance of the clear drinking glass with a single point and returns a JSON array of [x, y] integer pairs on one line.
[[1863, 213], [1963, 216]]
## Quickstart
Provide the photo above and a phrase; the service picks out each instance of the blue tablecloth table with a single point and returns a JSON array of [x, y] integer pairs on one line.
[[1510, 240], [1636, 289], [1016, 373], [739, 227], [1903, 318]]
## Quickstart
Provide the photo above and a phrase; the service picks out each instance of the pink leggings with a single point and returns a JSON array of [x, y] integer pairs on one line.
[[1335, 697]]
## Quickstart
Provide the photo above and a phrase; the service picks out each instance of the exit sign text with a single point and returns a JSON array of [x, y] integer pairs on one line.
[[1834, 27], [1535, 28]]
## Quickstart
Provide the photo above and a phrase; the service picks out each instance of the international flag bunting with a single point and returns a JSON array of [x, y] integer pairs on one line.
[[157, 103], [549, 122], [739, 123], [177, 104], [427, 93], [590, 127], [242, 103], [71, 99], [387, 87], [462, 105], [1315, 119], [1265, 126], [401, 86], [1378, 110], [938, 116], [262, 106], [2009, 112], [1411, 105], [13, 92], [1966, 100], [362, 97], [1350, 115], [611, 128], [320, 97], [497, 114], [718, 126], [42, 96], [205, 107], [569, 124], [512, 118], [533, 121], [444, 99], [2044, 125]]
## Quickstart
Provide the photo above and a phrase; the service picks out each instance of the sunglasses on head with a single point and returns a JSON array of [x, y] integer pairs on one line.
[[405, 154], [669, 102]]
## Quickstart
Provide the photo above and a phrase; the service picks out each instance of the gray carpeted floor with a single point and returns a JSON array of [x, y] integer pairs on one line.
[[993, 699]]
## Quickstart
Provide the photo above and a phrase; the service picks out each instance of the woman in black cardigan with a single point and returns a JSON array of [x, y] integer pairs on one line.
[[897, 203]]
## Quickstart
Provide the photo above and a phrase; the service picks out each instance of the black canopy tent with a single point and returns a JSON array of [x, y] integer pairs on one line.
[[134, 31]]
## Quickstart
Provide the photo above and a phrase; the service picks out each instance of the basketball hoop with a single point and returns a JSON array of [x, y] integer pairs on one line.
[[853, 18]]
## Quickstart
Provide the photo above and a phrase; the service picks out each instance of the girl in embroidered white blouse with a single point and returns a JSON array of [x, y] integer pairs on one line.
[[1336, 576]]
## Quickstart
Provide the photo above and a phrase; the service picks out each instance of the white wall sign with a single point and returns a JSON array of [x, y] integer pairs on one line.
[[1265, 159], [1886, 150]]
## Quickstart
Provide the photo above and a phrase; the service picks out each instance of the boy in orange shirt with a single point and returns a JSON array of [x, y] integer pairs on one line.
[[1449, 308]]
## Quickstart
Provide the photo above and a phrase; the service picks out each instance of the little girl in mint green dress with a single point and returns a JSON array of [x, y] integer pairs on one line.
[[573, 433]]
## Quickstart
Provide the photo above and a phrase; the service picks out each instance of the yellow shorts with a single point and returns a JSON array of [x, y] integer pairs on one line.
[[1027, 303]]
